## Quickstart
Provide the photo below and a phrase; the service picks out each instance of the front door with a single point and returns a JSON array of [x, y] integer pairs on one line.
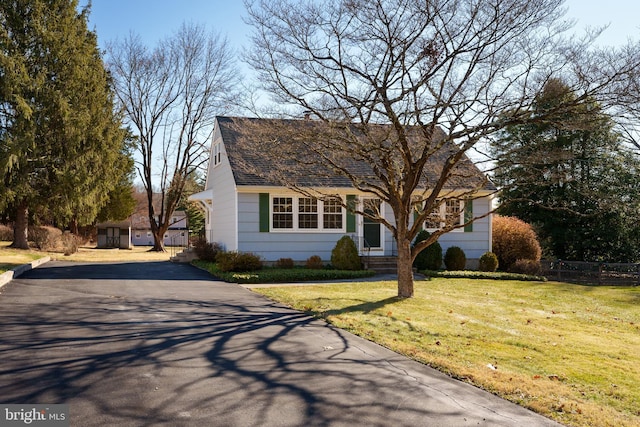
[[113, 237], [371, 230]]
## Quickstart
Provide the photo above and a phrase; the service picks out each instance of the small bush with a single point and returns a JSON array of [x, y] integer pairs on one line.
[[488, 262], [430, 258], [514, 239], [45, 238], [455, 259], [70, 243], [344, 255], [314, 263], [206, 251], [530, 267], [6, 233], [284, 263], [238, 261]]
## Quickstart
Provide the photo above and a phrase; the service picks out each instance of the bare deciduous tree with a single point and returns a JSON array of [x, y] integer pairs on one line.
[[171, 95], [442, 75]]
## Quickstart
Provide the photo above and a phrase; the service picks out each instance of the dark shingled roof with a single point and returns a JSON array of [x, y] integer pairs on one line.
[[248, 167]]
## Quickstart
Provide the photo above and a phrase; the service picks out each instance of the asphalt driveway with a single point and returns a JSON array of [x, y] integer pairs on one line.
[[147, 344]]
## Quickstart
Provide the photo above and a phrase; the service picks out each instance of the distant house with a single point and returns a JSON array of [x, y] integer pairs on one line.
[[176, 235], [246, 212], [114, 235]]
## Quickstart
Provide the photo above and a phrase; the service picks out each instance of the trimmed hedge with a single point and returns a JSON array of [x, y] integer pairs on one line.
[[45, 238], [455, 259], [238, 261], [514, 239], [6, 233], [430, 258], [278, 275], [488, 262], [314, 263], [344, 255], [284, 263], [467, 274]]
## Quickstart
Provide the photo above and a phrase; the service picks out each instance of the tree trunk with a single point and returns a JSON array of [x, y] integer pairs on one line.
[[158, 239], [73, 226], [405, 269], [21, 227]]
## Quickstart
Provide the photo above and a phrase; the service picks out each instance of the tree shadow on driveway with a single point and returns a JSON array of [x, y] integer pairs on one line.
[[194, 352], [182, 362]]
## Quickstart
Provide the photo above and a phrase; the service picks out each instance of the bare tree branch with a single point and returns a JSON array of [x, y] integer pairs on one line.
[[171, 96], [442, 76]]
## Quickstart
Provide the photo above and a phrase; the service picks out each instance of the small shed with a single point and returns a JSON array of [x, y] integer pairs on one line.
[[114, 235]]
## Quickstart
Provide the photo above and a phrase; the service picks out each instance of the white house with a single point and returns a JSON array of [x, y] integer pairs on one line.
[[176, 235], [245, 212]]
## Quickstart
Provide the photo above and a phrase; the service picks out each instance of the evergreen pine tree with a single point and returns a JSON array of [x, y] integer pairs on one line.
[[61, 141]]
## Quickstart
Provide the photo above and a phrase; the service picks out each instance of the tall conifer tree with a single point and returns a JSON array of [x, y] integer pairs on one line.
[[571, 178], [61, 141]]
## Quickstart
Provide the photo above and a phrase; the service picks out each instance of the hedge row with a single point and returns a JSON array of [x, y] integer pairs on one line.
[[280, 275], [467, 274]]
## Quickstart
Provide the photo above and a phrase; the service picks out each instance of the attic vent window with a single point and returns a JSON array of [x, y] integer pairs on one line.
[[217, 150]]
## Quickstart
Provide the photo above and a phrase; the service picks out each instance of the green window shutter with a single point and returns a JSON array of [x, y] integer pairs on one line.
[[351, 217], [415, 218], [264, 212], [468, 215]]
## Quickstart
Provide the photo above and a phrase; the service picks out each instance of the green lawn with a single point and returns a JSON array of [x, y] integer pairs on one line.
[[567, 351]]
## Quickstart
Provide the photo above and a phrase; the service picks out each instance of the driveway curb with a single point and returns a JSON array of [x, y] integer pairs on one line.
[[8, 276]]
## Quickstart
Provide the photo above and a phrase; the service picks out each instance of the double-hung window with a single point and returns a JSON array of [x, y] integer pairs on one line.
[[306, 214], [283, 213], [448, 213], [332, 214]]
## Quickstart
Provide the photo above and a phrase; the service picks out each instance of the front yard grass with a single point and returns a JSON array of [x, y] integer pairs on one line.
[[569, 352]]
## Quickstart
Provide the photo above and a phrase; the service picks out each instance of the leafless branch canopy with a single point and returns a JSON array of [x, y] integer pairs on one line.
[[408, 87], [439, 73], [170, 96]]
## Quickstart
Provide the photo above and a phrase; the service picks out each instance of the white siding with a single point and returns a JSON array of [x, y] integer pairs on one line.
[[223, 216], [476, 242], [300, 246], [273, 246]]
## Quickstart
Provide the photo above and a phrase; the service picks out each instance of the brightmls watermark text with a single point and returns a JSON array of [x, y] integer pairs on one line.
[[34, 415]]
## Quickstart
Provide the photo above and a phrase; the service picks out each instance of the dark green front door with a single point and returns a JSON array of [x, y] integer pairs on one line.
[[371, 230]]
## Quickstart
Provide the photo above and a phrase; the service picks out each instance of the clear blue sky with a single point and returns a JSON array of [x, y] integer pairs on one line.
[[155, 19]]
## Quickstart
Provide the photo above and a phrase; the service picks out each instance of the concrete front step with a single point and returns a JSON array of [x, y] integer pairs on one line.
[[185, 256], [381, 265]]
